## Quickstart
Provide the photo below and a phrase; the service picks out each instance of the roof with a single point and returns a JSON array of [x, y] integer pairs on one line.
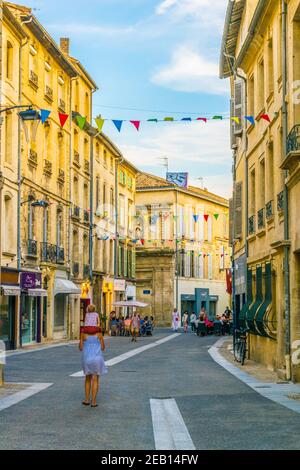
[[7, 14], [23, 14], [84, 72], [234, 14], [146, 182]]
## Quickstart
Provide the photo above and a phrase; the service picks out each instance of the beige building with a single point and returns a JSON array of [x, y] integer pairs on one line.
[[183, 231], [258, 36]]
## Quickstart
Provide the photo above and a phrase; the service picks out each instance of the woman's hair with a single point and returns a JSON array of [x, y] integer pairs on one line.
[[91, 308]]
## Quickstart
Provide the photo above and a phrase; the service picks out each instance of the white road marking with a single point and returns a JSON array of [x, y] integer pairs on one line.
[[134, 352], [170, 431], [40, 348], [15, 398]]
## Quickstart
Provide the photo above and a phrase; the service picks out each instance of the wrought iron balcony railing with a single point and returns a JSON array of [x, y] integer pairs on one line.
[[86, 216], [269, 209], [280, 201], [47, 167], [49, 93], [76, 212], [293, 139], [61, 176], [33, 159], [32, 247], [60, 255], [33, 78], [261, 218], [75, 269], [62, 105], [76, 158], [251, 225], [48, 253], [86, 166]]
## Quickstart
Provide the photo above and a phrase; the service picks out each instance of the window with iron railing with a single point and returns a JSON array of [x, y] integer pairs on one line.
[[251, 225], [269, 209], [261, 219], [293, 139], [280, 201]]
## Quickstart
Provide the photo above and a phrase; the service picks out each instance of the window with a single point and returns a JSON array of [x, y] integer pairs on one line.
[[8, 138], [209, 228], [85, 249], [270, 161], [97, 192], [9, 60], [112, 164], [262, 182], [104, 195], [129, 182], [200, 227], [97, 151], [105, 158], [122, 210], [210, 267], [47, 141], [251, 103], [61, 150], [86, 149], [75, 246], [8, 224], [86, 196], [75, 189], [87, 105], [45, 224], [201, 267], [252, 192], [59, 227], [261, 86], [75, 140], [112, 202], [122, 177], [270, 67]]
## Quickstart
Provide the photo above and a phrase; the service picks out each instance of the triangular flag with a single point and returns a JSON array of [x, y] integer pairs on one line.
[[200, 254], [175, 217], [99, 123], [142, 241], [236, 119], [217, 117], [44, 115], [165, 216], [206, 217], [152, 120], [216, 216], [168, 119], [186, 119], [195, 217], [266, 117], [204, 255], [81, 120], [62, 118], [250, 119], [136, 124], [202, 119], [118, 124]]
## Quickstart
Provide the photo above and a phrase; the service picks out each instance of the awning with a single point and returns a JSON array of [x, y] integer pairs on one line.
[[64, 286], [11, 290], [37, 293]]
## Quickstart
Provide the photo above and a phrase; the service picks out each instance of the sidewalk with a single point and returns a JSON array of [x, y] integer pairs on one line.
[[257, 376]]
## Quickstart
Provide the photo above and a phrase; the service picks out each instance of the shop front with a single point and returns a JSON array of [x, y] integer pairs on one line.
[[30, 307], [9, 301], [63, 287]]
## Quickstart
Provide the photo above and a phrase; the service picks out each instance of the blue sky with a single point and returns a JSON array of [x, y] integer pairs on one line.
[[155, 55]]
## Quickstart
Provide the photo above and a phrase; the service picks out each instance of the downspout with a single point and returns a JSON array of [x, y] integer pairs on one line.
[[116, 245], [91, 244], [285, 197], [176, 252]]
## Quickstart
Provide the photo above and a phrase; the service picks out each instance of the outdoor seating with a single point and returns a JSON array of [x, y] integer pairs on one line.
[[201, 329]]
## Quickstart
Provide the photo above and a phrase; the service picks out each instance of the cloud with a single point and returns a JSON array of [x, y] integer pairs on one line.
[[190, 72], [91, 30], [199, 148], [165, 6]]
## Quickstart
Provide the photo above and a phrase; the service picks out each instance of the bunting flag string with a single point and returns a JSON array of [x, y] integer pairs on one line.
[[62, 118]]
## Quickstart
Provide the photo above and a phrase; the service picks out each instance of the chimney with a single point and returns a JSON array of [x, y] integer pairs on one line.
[[65, 45]]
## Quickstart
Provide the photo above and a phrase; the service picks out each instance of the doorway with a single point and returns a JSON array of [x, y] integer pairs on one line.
[[29, 324]]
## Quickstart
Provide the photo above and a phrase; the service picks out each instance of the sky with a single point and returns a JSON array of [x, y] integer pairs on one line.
[[151, 59]]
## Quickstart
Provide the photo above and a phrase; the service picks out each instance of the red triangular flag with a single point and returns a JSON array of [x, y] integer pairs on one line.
[[266, 117], [136, 124], [62, 118], [202, 119], [206, 217], [142, 242]]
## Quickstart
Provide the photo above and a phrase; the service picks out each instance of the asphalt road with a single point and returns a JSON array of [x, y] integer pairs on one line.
[[218, 410]]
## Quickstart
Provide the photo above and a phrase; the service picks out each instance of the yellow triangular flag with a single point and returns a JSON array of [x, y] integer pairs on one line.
[[236, 119]]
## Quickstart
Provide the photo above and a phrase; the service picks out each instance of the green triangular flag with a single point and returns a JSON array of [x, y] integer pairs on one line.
[[99, 122], [81, 120], [152, 120], [216, 216], [218, 117], [168, 119], [175, 217]]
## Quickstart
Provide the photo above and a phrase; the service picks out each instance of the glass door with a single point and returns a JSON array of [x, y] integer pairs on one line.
[[7, 321], [28, 319]]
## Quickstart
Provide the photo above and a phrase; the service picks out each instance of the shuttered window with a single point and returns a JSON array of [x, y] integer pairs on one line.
[[238, 106], [231, 221], [232, 126]]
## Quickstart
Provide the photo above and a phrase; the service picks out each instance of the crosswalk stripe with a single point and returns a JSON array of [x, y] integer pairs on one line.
[[170, 431], [134, 352], [15, 398]]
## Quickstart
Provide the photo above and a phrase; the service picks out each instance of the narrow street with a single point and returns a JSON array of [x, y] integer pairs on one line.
[[143, 400]]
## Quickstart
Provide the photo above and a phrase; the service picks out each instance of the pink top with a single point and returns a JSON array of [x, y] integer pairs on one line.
[[135, 322], [91, 319]]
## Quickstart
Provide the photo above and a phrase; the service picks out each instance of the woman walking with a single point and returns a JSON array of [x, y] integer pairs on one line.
[[185, 321], [93, 364], [175, 320]]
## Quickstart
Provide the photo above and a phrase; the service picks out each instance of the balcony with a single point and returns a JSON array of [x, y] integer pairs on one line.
[[48, 93], [33, 79], [75, 269], [86, 166], [261, 219], [32, 158], [292, 159], [280, 201], [62, 105], [293, 140], [47, 168], [76, 212], [76, 158], [269, 209], [61, 176], [86, 216], [48, 253], [31, 247], [86, 270], [60, 255], [251, 225]]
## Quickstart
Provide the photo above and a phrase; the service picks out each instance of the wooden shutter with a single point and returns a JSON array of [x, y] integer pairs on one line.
[[238, 106], [238, 226], [133, 263], [231, 221], [232, 126]]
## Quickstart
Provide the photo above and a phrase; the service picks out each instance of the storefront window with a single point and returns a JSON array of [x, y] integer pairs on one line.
[[59, 311], [4, 318], [29, 310]]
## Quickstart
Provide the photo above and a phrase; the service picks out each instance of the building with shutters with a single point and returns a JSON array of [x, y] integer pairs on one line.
[[182, 248], [260, 55]]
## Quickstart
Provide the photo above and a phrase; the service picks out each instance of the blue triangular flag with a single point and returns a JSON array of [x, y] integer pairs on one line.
[[250, 119], [186, 119], [196, 217], [44, 115], [118, 124]]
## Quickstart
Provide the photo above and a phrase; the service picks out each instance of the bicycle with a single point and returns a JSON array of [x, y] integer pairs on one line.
[[240, 347]]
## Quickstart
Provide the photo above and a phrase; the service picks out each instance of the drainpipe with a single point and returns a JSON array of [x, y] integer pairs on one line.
[[116, 245], [91, 244], [285, 197], [176, 252]]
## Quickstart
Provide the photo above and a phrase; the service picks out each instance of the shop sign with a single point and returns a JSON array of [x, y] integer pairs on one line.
[[120, 285], [31, 280]]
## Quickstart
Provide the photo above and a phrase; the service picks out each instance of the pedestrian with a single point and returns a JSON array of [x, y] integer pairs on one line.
[[113, 324], [185, 321], [127, 323], [175, 320], [92, 346], [193, 322], [135, 326]]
